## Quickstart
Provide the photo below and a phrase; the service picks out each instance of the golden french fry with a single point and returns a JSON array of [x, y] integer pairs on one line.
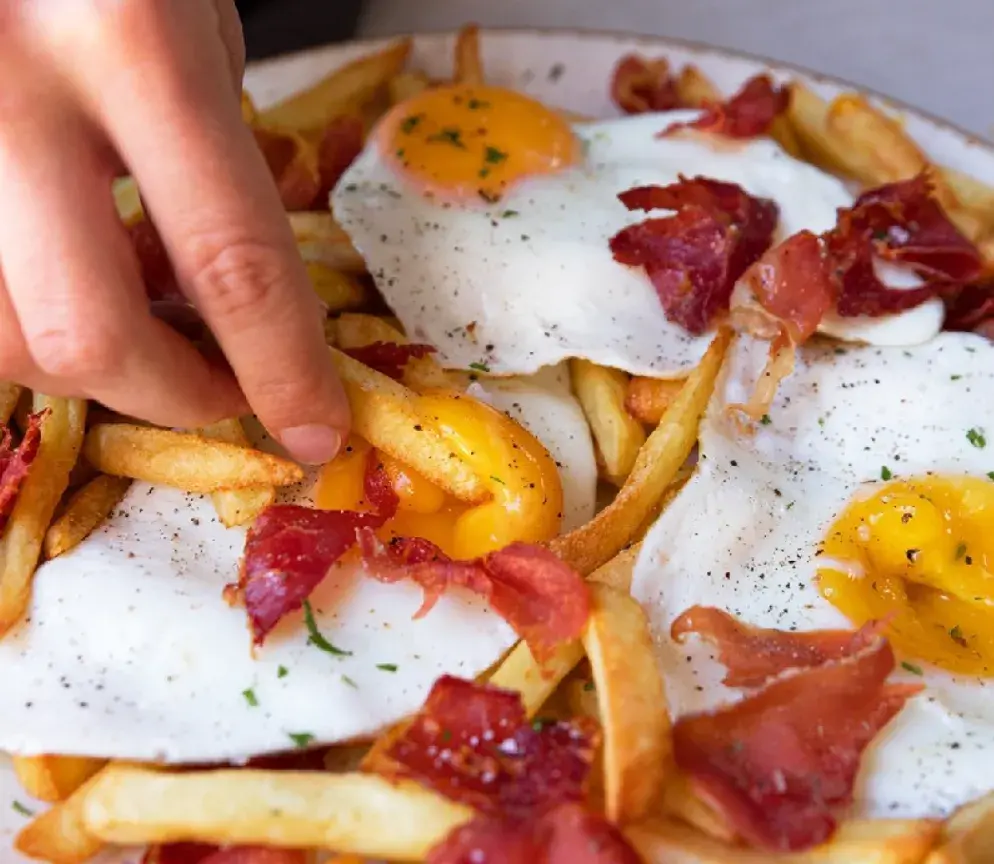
[[407, 85], [420, 373], [54, 778], [858, 841], [536, 682], [648, 398], [10, 395], [659, 461], [61, 436], [85, 510], [249, 112], [346, 89], [617, 573], [237, 506], [618, 435], [58, 835], [968, 835], [180, 459], [972, 194], [384, 412], [633, 710], [363, 814], [694, 88], [681, 802], [321, 239], [808, 116], [338, 291], [468, 66], [128, 200]]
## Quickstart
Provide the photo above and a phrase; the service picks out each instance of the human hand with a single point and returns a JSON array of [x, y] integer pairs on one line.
[[91, 86]]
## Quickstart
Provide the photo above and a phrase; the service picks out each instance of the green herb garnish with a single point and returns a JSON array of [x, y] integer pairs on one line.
[[18, 807], [976, 438], [497, 479], [886, 473], [449, 135], [282, 672], [493, 156], [479, 367], [350, 682], [912, 668], [960, 550], [409, 124], [766, 420], [301, 739], [250, 698], [316, 638], [956, 634], [387, 667]]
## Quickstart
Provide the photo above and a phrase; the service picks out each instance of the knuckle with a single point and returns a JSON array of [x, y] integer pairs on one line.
[[240, 281], [75, 353]]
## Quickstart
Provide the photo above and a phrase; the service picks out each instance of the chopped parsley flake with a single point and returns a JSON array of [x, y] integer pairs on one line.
[[912, 668], [539, 723], [589, 686], [955, 377], [449, 135], [18, 807], [956, 634], [409, 124], [282, 672], [960, 550], [509, 214], [497, 479], [250, 698], [316, 638], [493, 156], [886, 473], [350, 682], [976, 438], [479, 367], [301, 739], [387, 667], [477, 104], [766, 420], [990, 475]]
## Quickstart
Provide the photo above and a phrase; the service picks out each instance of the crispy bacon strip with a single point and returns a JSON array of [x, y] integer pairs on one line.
[[898, 222], [340, 144], [969, 307], [15, 463], [290, 549], [754, 655], [531, 588], [748, 114], [473, 744], [777, 764], [200, 853], [568, 834], [639, 85], [694, 257], [294, 166], [389, 358]]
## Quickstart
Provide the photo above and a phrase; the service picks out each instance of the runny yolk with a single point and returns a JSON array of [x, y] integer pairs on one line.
[[471, 142], [525, 501], [919, 553]]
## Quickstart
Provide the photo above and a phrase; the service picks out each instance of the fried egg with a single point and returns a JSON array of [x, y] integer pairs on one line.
[[484, 219], [130, 652], [867, 490]]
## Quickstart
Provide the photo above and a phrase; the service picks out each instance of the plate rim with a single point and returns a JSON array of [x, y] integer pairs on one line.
[[972, 139]]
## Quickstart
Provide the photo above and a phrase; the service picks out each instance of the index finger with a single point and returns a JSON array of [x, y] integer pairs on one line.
[[178, 126]]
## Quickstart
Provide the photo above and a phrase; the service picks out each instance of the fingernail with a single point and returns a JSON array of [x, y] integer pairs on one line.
[[312, 444]]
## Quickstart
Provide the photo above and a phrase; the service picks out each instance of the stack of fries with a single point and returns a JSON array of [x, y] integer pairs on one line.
[[644, 430]]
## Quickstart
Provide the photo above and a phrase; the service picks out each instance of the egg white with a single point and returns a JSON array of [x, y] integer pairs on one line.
[[530, 281], [743, 532], [130, 651]]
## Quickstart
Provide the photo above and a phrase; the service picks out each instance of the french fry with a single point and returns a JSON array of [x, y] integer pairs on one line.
[[249, 113], [617, 573], [694, 88], [61, 436], [468, 66], [885, 841], [54, 778], [128, 200], [808, 116], [10, 395], [968, 835], [357, 331], [338, 291], [58, 835], [681, 802], [345, 90], [84, 512], [619, 436], [362, 814], [237, 506], [633, 710], [536, 682], [658, 463], [384, 412], [972, 194], [406, 85], [185, 461], [321, 239], [648, 398]]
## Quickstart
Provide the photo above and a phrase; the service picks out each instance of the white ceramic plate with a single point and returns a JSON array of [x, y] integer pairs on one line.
[[568, 69]]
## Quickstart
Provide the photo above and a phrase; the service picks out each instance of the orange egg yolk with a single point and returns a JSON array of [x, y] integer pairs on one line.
[[919, 553], [525, 501], [464, 141]]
